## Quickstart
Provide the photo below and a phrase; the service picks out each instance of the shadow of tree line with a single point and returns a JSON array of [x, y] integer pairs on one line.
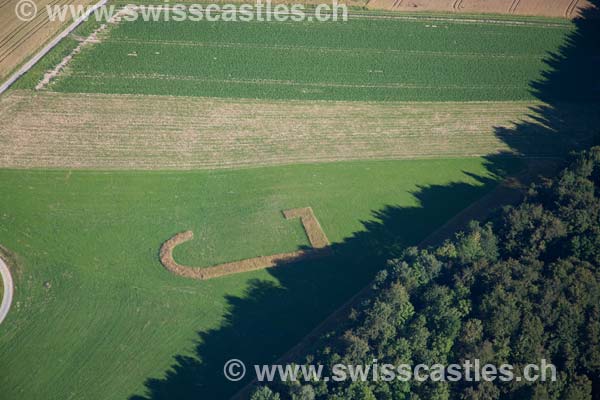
[[269, 319]]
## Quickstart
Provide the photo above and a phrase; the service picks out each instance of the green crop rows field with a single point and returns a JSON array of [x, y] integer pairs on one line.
[[361, 59], [96, 316]]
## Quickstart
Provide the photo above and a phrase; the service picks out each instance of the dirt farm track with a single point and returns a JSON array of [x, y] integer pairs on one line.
[[546, 8]]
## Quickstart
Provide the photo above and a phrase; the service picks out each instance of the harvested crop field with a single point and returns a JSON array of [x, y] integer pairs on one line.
[[554, 8], [20, 39], [161, 132]]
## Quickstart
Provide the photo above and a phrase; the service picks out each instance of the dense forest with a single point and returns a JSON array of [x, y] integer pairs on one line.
[[522, 287]]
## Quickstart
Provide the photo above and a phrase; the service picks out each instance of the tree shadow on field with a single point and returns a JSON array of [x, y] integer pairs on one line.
[[269, 319]]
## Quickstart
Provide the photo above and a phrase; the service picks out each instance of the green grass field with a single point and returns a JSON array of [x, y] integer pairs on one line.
[[113, 317], [361, 59]]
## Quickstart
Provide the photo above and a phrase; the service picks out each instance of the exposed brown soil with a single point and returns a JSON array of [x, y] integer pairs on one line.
[[311, 225], [547, 8]]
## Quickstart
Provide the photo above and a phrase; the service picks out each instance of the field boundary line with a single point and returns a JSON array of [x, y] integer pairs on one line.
[[467, 19], [450, 16], [24, 93], [189, 78], [7, 297], [46, 49]]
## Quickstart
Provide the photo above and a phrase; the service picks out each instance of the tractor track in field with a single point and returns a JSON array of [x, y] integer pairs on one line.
[[258, 46], [571, 8]]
